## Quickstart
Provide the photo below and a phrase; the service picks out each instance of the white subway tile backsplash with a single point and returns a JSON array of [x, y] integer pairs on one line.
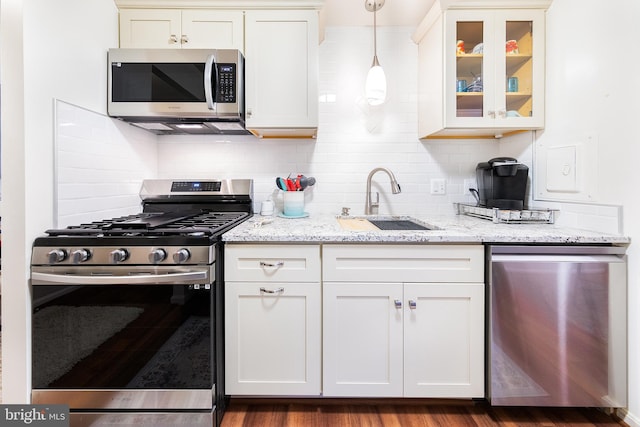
[[100, 165]]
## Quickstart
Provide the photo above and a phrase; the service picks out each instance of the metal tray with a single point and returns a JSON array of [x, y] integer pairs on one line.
[[505, 216]]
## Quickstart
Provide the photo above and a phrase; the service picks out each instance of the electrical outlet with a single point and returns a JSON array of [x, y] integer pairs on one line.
[[438, 186]]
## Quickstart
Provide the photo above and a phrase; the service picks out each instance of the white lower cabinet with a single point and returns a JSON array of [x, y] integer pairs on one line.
[[273, 320], [411, 338], [362, 339], [368, 321], [444, 340]]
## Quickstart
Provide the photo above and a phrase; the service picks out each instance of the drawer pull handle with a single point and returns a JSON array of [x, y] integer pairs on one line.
[[412, 304], [271, 264], [398, 303], [271, 291]]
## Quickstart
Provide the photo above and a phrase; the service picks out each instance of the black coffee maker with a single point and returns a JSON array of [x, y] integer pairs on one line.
[[502, 183]]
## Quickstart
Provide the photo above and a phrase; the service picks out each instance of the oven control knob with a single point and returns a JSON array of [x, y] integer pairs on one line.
[[57, 255], [157, 255], [118, 255], [181, 256], [80, 255]]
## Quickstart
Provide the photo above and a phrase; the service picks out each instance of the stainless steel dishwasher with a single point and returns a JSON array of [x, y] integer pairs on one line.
[[557, 326]]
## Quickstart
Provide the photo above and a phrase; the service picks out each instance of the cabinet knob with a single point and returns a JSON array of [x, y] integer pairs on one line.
[[412, 304], [502, 113], [398, 303], [173, 39], [492, 114], [184, 39]]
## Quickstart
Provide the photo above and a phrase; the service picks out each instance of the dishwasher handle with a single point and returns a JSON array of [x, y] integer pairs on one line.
[[569, 258], [557, 250]]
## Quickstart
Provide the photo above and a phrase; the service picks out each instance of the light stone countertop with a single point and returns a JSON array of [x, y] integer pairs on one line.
[[451, 229]]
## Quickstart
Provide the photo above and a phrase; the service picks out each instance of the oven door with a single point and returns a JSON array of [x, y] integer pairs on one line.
[[136, 339]]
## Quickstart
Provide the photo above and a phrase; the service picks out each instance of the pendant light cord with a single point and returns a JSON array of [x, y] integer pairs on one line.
[[375, 38]]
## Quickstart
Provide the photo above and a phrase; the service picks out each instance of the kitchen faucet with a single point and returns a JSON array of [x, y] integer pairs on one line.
[[371, 208]]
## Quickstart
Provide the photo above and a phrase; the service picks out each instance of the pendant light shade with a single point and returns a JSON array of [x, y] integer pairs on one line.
[[376, 84]]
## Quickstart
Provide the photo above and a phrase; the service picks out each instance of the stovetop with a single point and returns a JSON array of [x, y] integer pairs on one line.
[[193, 223], [148, 228]]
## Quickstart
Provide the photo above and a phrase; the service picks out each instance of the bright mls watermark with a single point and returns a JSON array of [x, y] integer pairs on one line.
[[34, 415]]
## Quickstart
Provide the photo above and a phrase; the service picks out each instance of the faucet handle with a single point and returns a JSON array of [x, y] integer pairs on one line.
[[345, 211]]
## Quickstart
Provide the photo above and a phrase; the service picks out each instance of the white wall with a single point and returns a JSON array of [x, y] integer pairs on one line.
[[591, 88], [50, 50]]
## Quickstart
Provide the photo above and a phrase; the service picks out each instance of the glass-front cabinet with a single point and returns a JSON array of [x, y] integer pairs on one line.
[[492, 82]]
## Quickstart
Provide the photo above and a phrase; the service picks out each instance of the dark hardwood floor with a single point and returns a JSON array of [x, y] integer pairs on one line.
[[401, 413]]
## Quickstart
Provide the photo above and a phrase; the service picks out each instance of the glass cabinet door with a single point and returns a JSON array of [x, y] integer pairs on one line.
[[469, 68], [518, 68], [494, 68], [520, 65], [469, 63]]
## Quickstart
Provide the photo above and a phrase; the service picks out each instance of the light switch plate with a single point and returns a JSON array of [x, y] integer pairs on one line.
[[438, 186]]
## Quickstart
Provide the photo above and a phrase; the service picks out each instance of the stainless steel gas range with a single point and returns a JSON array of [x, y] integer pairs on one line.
[[127, 312]]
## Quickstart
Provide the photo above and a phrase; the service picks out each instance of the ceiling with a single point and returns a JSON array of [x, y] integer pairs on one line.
[[394, 12]]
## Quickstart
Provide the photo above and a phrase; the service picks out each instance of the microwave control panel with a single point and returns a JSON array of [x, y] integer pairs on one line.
[[226, 83]]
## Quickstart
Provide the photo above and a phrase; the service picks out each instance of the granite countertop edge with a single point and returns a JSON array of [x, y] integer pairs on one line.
[[457, 229]]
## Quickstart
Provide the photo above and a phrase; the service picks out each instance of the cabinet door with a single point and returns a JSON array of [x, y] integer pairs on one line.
[[519, 102], [212, 29], [272, 338], [469, 61], [362, 339], [444, 340], [483, 51], [281, 50], [150, 28]]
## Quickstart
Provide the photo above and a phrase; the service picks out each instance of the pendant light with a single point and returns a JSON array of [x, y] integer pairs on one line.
[[376, 84]]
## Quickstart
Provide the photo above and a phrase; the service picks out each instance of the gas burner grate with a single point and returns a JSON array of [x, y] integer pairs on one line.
[[156, 224]]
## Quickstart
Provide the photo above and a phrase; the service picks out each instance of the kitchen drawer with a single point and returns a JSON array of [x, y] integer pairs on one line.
[[403, 263], [272, 263]]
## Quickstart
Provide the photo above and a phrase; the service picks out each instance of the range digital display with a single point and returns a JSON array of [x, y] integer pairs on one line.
[[195, 186]]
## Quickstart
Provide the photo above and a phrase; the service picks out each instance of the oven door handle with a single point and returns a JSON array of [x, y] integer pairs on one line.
[[136, 279]]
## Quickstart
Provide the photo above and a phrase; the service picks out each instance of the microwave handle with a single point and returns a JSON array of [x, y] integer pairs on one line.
[[210, 75]]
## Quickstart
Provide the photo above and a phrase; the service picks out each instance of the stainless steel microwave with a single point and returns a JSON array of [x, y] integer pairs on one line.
[[183, 91]]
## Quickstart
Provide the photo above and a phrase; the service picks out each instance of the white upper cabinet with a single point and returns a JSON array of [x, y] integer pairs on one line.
[[280, 45], [181, 29], [481, 72], [281, 51]]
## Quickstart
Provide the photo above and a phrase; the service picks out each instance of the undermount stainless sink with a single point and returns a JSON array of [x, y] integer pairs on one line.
[[397, 224], [378, 223]]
